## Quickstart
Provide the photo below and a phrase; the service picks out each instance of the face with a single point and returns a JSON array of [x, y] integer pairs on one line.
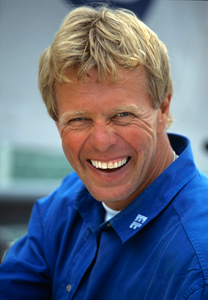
[[110, 135]]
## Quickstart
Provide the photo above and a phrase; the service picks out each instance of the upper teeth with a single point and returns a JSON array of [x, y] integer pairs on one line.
[[109, 165]]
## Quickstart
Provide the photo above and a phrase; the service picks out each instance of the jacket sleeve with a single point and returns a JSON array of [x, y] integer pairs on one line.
[[24, 273]]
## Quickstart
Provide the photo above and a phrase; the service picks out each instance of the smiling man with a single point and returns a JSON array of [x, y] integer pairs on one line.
[[131, 221], [112, 135]]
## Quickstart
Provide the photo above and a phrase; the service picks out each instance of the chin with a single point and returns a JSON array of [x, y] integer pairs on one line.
[[109, 196]]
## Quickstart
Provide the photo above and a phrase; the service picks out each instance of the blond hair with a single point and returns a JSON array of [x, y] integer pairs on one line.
[[106, 39]]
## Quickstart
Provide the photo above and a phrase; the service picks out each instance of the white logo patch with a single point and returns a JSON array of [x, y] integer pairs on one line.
[[139, 220]]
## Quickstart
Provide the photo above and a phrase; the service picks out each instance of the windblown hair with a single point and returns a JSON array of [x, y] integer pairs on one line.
[[104, 39]]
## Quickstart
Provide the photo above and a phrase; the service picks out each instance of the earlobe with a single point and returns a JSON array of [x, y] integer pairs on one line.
[[164, 113]]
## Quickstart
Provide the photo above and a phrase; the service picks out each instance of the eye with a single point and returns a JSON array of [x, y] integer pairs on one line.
[[123, 118], [79, 123], [123, 114]]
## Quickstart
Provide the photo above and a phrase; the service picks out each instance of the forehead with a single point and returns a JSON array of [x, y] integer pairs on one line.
[[91, 96], [125, 79]]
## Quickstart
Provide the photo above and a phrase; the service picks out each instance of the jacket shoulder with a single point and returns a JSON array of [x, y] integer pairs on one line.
[[191, 205], [56, 203]]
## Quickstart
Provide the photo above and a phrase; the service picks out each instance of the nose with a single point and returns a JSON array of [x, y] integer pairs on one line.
[[103, 136]]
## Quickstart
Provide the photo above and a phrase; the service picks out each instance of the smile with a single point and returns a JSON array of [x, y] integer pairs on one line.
[[110, 164]]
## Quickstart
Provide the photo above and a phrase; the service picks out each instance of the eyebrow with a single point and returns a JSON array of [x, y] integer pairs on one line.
[[127, 108]]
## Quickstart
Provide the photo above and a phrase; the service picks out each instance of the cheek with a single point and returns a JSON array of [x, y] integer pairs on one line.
[[139, 136], [71, 144]]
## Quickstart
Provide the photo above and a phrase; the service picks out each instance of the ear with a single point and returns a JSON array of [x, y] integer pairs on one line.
[[163, 113]]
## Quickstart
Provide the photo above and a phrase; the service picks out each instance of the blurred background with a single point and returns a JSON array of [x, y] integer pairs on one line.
[[31, 160]]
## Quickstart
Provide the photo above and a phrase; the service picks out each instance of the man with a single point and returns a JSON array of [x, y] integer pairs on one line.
[[131, 221]]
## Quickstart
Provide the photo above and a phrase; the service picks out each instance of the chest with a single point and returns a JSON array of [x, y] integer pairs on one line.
[[102, 267]]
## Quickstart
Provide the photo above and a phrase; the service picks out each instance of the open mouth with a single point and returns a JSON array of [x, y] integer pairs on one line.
[[110, 165]]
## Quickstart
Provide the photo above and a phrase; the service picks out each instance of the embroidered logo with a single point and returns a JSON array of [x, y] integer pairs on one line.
[[139, 220]]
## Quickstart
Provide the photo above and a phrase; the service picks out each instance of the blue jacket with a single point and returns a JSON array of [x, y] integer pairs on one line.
[[156, 248]]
